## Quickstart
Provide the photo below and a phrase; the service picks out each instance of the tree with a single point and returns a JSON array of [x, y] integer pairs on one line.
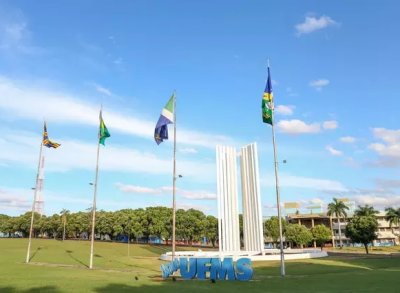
[[241, 235], [211, 231], [321, 234], [50, 225], [393, 217], [191, 225], [64, 213], [299, 234], [22, 224], [365, 211], [107, 223], [4, 219], [362, 229], [79, 223], [272, 228], [338, 208], [129, 222], [159, 221]]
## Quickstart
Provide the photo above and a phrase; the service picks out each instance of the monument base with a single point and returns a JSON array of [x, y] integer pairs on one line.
[[266, 255]]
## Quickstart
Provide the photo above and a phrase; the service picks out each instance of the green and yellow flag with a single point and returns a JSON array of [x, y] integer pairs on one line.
[[103, 132], [268, 101]]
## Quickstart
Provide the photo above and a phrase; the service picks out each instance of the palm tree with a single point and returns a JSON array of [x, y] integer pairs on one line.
[[393, 216], [366, 211], [64, 214], [338, 208]]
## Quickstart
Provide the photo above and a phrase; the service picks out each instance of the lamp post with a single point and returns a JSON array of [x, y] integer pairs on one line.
[[129, 234]]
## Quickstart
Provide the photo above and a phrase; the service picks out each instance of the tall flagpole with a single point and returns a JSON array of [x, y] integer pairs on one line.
[[174, 185], [278, 199], [94, 204], [33, 205]]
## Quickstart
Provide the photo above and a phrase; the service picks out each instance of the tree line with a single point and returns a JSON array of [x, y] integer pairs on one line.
[[191, 225]]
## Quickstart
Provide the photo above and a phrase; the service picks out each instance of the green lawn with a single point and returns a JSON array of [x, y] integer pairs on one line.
[[62, 267], [373, 249]]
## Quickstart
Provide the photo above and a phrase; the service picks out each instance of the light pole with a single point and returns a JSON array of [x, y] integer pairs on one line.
[[129, 234]]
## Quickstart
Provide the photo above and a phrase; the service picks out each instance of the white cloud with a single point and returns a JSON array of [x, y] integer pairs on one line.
[[137, 189], [318, 84], [102, 90], [188, 151], [27, 102], [290, 92], [312, 24], [387, 135], [388, 183], [187, 206], [313, 183], [333, 151], [377, 201], [313, 201], [284, 110], [297, 127], [325, 185], [197, 195], [348, 139], [17, 148], [188, 194], [15, 32], [15, 36], [391, 142], [332, 124], [391, 150], [15, 200]]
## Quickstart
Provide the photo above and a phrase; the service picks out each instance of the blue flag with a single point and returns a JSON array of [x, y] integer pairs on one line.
[[166, 117]]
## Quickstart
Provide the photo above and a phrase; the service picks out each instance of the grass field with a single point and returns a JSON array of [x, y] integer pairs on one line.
[[62, 267], [373, 250]]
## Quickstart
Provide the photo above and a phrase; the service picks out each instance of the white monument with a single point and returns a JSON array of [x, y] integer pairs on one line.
[[253, 235], [228, 212], [227, 196]]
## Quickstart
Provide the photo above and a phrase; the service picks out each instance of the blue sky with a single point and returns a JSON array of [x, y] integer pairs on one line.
[[335, 77]]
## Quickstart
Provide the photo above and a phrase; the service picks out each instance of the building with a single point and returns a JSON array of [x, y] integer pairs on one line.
[[386, 236]]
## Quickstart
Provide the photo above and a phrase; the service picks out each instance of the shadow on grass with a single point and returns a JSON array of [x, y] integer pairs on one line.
[[69, 252], [43, 289], [157, 249], [330, 265], [167, 286], [36, 251]]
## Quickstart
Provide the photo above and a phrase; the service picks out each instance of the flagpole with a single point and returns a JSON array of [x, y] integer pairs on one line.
[[94, 205], [174, 185], [278, 203], [278, 199], [33, 205]]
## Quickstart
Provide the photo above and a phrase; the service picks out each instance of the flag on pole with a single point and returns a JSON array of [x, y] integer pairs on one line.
[[46, 142], [166, 117], [268, 101], [103, 132]]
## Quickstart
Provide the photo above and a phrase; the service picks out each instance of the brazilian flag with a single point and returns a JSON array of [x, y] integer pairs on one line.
[[103, 132]]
